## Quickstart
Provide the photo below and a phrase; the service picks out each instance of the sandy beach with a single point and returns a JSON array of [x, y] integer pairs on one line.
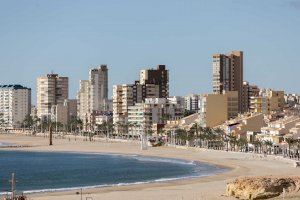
[[212, 187]]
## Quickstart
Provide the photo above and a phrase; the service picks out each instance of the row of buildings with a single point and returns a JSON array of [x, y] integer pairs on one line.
[[53, 102], [144, 104]]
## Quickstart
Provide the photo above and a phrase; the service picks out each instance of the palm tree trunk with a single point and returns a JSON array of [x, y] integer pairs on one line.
[[50, 135]]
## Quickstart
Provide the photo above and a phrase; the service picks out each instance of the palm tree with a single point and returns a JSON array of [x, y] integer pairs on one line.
[[59, 126], [36, 121], [220, 135], [181, 135], [226, 140], [190, 137], [119, 127], [149, 132], [28, 121], [268, 145], [50, 134], [257, 146], [242, 143], [135, 126], [197, 130], [232, 141], [290, 142], [101, 128], [207, 136], [1, 119], [126, 126], [164, 118], [110, 128]]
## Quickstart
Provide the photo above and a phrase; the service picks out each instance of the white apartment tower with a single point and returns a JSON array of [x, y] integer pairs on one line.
[[191, 102], [51, 90], [92, 96], [83, 99], [15, 105], [122, 99]]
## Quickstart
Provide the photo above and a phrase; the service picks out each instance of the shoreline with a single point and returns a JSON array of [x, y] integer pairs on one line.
[[222, 169], [239, 164]]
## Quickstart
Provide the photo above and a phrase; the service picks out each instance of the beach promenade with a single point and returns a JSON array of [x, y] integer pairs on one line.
[[213, 187]]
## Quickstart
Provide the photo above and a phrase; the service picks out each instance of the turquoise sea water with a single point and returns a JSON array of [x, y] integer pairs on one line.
[[41, 171]]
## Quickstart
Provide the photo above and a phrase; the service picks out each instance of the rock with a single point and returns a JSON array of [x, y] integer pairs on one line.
[[262, 187]]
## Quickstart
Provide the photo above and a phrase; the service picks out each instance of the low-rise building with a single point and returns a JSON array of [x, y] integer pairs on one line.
[[295, 132], [281, 126], [184, 123], [177, 100], [292, 100], [192, 103], [276, 131], [244, 123]]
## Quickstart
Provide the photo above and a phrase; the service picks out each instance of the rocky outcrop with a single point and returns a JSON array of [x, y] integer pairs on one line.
[[262, 187]]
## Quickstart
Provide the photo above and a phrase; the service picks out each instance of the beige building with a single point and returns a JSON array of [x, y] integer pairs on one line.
[[244, 123], [281, 126], [215, 109], [51, 90], [72, 108], [295, 132], [277, 130], [228, 74], [64, 113], [276, 100], [267, 102], [92, 96], [122, 99]]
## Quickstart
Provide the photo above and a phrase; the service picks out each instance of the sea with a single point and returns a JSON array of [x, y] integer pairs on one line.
[[37, 172]]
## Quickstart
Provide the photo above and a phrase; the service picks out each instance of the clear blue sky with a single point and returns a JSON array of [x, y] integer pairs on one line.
[[68, 37]]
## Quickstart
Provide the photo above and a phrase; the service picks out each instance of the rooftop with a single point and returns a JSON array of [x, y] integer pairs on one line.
[[15, 87]]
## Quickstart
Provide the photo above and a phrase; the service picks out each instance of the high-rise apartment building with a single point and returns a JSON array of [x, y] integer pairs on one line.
[[122, 99], [245, 97], [92, 96], [228, 74], [51, 90], [248, 92], [98, 78], [153, 83], [15, 105], [159, 76], [83, 99]]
